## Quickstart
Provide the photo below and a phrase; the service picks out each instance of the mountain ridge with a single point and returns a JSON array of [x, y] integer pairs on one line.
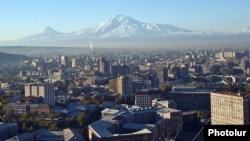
[[123, 29]]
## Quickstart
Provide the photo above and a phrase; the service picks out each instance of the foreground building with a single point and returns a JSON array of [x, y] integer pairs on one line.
[[8, 130], [136, 123], [47, 135], [230, 108]]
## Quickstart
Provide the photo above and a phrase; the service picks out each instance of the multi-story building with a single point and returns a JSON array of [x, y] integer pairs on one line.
[[162, 74], [74, 63], [39, 108], [124, 85], [103, 65], [230, 108], [45, 90], [66, 134], [113, 85], [144, 97], [65, 60], [149, 123], [190, 98], [8, 130], [122, 69], [140, 81], [21, 108], [16, 108]]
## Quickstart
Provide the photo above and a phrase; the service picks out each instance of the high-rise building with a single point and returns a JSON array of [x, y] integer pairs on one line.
[[124, 85], [45, 90], [65, 60], [103, 65], [74, 63], [162, 74], [230, 108]]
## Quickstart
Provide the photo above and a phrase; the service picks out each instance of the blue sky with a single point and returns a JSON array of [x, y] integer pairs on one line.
[[20, 18]]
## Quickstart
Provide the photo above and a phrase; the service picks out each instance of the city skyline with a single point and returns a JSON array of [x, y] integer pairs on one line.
[[23, 18]]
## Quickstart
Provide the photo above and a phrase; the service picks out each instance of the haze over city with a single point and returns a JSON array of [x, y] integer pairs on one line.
[[162, 70]]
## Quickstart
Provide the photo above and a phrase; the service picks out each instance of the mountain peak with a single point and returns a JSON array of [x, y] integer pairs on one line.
[[47, 30], [122, 19]]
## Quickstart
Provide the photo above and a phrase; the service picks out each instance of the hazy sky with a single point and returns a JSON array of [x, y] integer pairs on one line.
[[20, 18]]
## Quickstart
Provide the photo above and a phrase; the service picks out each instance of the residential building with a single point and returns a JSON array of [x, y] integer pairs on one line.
[[190, 98], [144, 97], [8, 130], [230, 108], [103, 65], [45, 90], [124, 85]]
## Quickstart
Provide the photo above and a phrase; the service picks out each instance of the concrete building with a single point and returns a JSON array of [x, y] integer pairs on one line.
[[39, 108], [144, 97], [21, 108], [230, 108], [136, 123], [22, 137], [8, 130], [74, 63], [124, 85], [47, 135], [45, 90], [16, 108], [103, 65], [190, 98], [121, 69]]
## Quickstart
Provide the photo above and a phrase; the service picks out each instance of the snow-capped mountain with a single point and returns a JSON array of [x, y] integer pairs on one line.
[[125, 29], [46, 32], [243, 30]]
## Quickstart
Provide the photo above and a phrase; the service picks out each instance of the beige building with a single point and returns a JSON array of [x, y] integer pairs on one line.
[[124, 85], [230, 108], [45, 90]]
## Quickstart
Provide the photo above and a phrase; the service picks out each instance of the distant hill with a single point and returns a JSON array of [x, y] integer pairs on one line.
[[7, 59]]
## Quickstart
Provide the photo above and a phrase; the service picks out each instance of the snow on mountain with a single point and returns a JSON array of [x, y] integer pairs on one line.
[[46, 32], [121, 27], [243, 30]]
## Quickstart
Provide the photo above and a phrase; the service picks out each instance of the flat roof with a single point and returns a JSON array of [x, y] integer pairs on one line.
[[23, 136], [110, 111], [6, 125], [138, 126], [100, 127]]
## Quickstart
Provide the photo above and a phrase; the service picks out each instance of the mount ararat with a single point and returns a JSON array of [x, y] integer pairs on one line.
[[123, 31]]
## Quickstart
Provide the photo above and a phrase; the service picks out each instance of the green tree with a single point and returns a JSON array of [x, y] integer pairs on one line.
[[247, 88], [165, 88], [82, 118], [72, 84], [58, 82], [3, 101]]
